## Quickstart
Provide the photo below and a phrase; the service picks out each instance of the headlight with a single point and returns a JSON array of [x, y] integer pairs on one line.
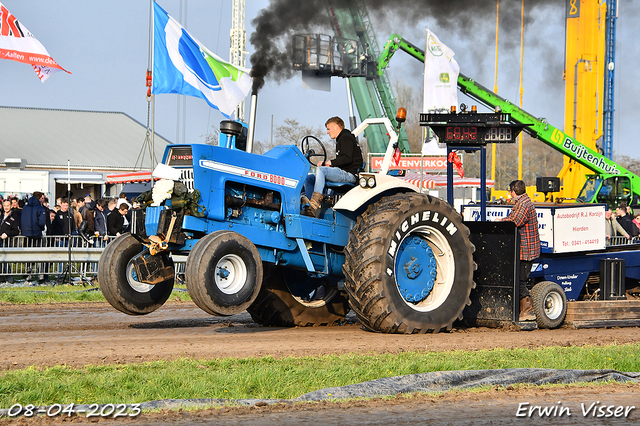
[[371, 182], [363, 182]]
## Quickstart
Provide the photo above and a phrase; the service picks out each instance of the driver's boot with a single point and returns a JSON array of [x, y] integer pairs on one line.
[[306, 210], [314, 204]]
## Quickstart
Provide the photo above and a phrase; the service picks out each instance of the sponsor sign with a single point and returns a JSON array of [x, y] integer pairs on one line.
[[417, 163], [563, 229]]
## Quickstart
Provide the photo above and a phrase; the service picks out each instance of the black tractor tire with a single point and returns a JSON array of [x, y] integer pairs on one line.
[[390, 238], [223, 252], [549, 304], [277, 307], [118, 282]]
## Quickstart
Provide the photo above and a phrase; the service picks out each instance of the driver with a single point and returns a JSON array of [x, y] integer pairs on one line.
[[343, 168]]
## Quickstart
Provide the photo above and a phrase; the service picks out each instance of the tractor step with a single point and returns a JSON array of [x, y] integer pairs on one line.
[[605, 313]]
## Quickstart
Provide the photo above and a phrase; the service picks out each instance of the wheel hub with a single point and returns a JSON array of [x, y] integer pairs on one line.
[[416, 269], [230, 274]]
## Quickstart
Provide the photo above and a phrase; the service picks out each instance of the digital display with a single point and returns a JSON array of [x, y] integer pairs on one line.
[[180, 157], [459, 133], [499, 135], [473, 134]]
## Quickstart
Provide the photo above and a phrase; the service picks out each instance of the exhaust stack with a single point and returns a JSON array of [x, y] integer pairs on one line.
[[252, 122]]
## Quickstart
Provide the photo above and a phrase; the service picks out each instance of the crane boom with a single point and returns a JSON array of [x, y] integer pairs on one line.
[[610, 183]]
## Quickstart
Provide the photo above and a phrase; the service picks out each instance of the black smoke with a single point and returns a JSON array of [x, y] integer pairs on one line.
[[472, 20]]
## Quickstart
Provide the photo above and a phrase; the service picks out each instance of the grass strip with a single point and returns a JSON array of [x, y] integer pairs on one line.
[[64, 294], [268, 377]]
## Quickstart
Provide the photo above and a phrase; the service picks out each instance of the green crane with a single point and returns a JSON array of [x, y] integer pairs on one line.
[[610, 183]]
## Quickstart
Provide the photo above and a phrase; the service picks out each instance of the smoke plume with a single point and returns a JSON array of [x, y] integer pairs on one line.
[[470, 20]]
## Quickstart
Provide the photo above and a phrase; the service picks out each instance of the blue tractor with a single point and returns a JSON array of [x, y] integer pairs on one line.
[[400, 259]]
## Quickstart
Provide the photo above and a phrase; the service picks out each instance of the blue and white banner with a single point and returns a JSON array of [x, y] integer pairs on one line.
[[182, 65]]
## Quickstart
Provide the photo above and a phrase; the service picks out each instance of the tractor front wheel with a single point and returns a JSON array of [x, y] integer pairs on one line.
[[223, 273], [119, 283]]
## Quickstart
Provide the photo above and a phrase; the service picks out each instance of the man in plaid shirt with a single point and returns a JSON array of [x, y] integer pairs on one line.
[[524, 216]]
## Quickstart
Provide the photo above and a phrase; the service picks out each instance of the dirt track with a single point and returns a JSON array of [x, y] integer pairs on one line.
[[95, 333]]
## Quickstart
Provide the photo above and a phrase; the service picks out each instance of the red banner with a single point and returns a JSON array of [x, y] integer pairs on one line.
[[413, 163]]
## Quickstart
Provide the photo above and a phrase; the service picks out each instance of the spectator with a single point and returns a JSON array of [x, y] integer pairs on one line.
[[32, 224], [115, 221], [8, 229], [636, 220], [123, 199], [88, 216], [625, 221], [100, 222], [612, 227], [77, 217], [8, 224], [61, 225], [524, 216], [51, 217], [33, 220], [17, 209], [112, 205]]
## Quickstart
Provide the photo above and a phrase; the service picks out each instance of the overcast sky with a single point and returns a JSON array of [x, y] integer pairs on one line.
[[105, 47]]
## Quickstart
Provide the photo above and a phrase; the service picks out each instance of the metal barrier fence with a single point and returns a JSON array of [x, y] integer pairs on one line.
[[47, 258]]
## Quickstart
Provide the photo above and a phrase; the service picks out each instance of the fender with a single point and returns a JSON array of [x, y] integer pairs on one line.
[[358, 196]]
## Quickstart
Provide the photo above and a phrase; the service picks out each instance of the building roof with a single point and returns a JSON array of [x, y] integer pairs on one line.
[[92, 139]]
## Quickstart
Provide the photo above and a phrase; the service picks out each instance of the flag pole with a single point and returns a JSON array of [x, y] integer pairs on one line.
[[152, 98]]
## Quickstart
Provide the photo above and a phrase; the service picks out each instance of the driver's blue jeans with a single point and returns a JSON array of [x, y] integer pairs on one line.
[[315, 182]]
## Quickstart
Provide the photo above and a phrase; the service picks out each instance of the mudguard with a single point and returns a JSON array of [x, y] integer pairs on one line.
[[359, 196]]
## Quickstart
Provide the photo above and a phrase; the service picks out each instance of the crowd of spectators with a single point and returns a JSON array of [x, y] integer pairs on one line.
[[622, 223], [34, 217]]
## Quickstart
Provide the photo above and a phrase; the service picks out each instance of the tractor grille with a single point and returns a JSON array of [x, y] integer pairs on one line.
[[186, 177]]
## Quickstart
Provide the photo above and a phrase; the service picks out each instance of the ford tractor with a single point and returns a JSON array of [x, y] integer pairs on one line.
[[402, 260]]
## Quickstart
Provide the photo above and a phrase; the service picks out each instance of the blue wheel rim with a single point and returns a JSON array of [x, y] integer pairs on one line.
[[416, 269]]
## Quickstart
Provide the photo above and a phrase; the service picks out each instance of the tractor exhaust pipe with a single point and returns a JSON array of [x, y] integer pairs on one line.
[[252, 121]]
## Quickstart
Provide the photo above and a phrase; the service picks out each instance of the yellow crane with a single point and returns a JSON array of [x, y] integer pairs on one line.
[[584, 84]]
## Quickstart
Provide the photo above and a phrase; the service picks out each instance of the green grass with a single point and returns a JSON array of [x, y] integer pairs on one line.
[[63, 294], [268, 377]]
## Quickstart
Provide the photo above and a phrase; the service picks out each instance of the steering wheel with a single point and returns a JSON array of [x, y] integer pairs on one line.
[[308, 151]]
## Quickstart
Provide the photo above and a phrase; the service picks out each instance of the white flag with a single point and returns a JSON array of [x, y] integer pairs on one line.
[[18, 44], [440, 84]]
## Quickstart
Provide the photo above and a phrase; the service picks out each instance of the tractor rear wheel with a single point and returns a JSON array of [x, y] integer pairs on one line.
[[223, 273], [276, 305], [119, 283], [549, 304], [409, 265]]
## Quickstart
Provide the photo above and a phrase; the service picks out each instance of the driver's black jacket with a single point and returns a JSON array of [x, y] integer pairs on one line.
[[348, 153]]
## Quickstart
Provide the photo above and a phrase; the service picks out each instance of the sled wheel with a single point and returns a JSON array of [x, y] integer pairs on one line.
[[118, 281], [549, 304], [409, 266], [276, 306], [223, 273]]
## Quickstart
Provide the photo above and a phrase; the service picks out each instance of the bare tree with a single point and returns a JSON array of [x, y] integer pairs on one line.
[[212, 137], [538, 159], [629, 163], [407, 98]]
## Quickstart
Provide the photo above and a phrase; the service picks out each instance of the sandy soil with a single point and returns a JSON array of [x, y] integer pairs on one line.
[[95, 333]]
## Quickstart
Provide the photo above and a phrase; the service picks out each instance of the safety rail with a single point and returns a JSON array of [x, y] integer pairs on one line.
[[47, 258], [622, 241]]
